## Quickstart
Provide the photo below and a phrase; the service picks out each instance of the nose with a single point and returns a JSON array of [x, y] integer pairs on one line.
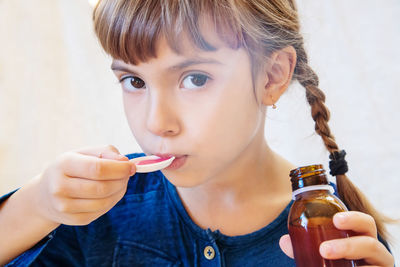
[[161, 117]]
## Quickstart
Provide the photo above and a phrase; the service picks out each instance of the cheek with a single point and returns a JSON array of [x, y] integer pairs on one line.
[[128, 106], [227, 121], [217, 135], [238, 123], [132, 107]]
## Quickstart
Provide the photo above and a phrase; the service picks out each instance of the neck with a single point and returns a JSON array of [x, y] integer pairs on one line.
[[257, 180]]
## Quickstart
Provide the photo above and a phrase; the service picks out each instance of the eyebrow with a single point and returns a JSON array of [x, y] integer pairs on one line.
[[191, 62], [179, 66]]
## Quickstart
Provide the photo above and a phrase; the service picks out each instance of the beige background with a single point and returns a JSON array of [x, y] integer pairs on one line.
[[57, 92]]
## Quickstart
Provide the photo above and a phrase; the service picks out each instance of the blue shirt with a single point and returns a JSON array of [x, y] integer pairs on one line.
[[149, 226]]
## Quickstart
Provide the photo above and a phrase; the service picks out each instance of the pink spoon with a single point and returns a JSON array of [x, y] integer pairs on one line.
[[151, 163]]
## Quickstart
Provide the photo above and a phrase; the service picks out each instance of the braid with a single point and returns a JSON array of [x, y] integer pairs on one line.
[[353, 198], [319, 111]]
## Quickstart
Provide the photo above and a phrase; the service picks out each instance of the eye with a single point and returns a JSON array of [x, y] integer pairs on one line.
[[194, 81], [132, 83]]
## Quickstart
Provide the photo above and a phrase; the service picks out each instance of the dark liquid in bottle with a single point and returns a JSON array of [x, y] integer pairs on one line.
[[307, 239]]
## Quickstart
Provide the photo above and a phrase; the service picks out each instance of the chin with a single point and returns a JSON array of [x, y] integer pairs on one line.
[[181, 179]]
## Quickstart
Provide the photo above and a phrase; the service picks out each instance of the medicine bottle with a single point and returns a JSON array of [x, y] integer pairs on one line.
[[310, 217]]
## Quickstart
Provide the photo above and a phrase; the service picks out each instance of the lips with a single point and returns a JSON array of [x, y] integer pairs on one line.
[[166, 156], [178, 162]]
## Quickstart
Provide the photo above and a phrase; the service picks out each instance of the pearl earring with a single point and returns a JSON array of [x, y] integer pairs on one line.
[[273, 103]]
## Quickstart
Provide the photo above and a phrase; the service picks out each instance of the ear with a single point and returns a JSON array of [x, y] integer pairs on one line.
[[278, 74]]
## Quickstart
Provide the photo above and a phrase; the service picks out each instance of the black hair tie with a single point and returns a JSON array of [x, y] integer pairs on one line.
[[337, 164]]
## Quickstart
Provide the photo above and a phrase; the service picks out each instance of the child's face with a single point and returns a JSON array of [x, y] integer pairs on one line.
[[200, 104]]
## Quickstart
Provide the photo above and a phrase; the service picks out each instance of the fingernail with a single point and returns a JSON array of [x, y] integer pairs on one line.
[[133, 169], [326, 249], [341, 217], [122, 157]]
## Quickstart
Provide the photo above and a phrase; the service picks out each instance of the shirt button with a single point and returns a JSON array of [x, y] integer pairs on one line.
[[209, 252]]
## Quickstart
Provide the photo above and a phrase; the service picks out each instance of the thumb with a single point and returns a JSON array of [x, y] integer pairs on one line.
[[286, 245], [116, 156]]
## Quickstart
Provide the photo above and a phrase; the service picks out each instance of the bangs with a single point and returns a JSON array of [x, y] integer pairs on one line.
[[130, 29]]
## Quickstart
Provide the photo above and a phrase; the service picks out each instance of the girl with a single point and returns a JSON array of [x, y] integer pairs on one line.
[[197, 78]]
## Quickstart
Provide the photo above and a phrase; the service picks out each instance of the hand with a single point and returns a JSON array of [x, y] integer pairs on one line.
[[365, 246], [80, 186]]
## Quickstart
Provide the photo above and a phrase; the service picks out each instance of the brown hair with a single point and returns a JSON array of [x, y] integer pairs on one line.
[[129, 30]]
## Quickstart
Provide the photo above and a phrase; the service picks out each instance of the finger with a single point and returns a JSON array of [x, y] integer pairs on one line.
[[97, 151], [74, 187], [89, 167], [286, 245], [82, 218], [355, 248], [356, 221], [113, 155], [78, 205], [107, 152]]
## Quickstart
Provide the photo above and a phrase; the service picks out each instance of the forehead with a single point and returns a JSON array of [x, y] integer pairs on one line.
[[186, 53], [167, 59], [185, 46], [132, 30]]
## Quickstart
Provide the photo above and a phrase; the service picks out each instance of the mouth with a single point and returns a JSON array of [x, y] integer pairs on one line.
[[178, 162]]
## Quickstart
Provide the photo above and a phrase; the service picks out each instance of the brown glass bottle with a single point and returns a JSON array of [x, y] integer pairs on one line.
[[310, 217]]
